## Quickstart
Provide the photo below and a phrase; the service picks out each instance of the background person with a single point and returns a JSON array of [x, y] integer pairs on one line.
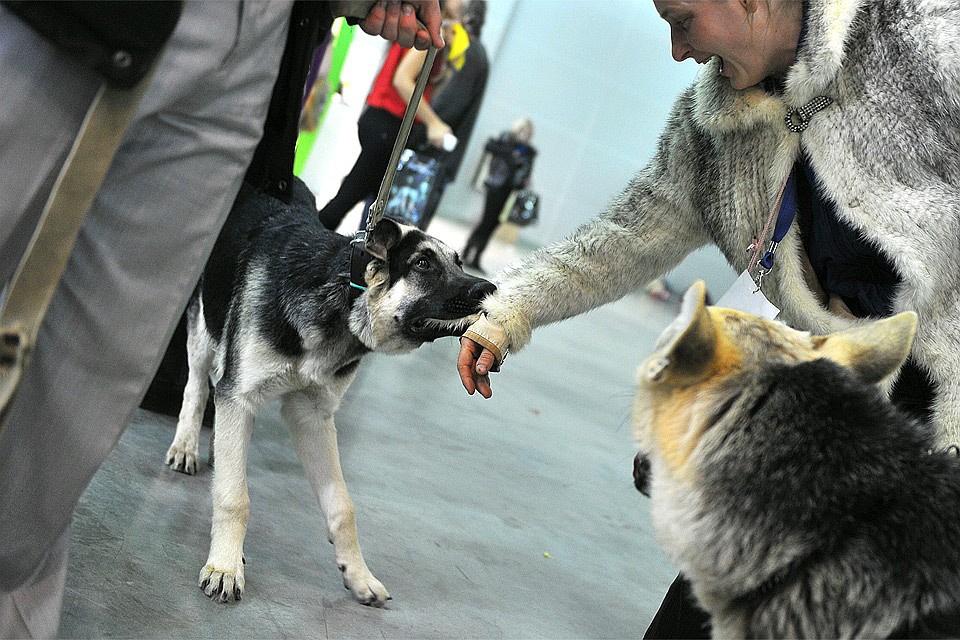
[[511, 163], [806, 89], [458, 102], [379, 123], [225, 69]]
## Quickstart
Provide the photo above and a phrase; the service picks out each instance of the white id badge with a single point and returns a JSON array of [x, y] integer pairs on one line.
[[745, 296]]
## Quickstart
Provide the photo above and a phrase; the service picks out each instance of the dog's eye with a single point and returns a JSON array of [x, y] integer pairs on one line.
[[422, 264]]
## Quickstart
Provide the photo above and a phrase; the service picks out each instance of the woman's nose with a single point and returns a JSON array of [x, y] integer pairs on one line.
[[679, 47]]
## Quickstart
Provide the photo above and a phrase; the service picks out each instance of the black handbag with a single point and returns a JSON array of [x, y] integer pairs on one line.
[[525, 208], [414, 193]]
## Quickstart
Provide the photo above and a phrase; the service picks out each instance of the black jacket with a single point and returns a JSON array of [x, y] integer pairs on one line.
[[458, 103], [272, 166], [511, 162], [120, 39]]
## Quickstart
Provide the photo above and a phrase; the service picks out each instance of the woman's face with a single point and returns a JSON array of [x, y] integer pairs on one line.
[[452, 12], [752, 41]]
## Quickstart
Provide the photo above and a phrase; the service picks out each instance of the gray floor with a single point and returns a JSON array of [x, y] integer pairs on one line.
[[513, 517]]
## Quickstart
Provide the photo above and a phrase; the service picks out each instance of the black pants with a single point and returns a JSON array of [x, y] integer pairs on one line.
[[679, 615], [913, 392], [377, 130], [481, 234]]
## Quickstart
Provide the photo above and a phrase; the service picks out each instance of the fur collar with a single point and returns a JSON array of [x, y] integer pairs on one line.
[[719, 108], [829, 25]]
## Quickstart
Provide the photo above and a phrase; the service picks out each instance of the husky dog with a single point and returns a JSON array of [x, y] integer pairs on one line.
[[275, 315], [788, 489]]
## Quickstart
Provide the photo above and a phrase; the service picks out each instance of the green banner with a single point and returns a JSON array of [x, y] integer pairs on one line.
[[339, 48]]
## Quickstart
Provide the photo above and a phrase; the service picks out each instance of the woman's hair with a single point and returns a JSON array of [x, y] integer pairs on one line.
[[791, 8], [451, 10], [520, 125], [474, 16]]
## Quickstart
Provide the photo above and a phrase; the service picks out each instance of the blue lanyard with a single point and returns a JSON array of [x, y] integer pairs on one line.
[[788, 210]]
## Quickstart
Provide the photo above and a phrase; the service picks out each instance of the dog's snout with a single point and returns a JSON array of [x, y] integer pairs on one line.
[[481, 289], [641, 474]]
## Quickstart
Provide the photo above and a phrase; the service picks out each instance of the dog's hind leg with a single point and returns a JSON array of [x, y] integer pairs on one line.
[[309, 414], [184, 451], [222, 575]]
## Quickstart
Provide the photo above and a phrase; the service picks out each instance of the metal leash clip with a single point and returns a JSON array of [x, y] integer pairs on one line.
[[765, 264]]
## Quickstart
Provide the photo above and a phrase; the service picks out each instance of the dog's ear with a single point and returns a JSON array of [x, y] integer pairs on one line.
[[688, 346], [872, 350], [385, 235]]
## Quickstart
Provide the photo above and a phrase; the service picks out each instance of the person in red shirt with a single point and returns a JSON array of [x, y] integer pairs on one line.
[[379, 123]]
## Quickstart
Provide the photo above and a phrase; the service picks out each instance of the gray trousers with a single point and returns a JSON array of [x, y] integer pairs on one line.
[[136, 261]]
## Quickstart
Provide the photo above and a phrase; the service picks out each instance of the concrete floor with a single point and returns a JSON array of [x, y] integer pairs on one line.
[[513, 517]]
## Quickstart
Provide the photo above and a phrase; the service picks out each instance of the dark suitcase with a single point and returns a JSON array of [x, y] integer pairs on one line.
[[416, 188]]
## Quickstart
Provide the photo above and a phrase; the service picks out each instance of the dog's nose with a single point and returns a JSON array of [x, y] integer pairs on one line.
[[481, 289], [641, 474]]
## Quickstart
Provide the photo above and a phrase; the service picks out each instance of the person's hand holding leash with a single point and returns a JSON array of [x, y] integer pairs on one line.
[[398, 22], [483, 348]]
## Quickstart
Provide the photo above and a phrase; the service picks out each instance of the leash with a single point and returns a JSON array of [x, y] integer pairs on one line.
[[359, 256], [797, 119], [39, 271], [787, 211]]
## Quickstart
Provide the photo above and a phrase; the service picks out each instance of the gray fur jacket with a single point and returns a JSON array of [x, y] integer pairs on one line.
[[887, 152]]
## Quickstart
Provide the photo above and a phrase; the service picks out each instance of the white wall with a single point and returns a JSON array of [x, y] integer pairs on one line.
[[597, 80]]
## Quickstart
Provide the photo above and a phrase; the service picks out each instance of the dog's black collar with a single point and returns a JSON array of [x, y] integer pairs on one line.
[[359, 259]]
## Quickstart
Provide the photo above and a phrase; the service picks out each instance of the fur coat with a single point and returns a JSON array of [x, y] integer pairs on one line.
[[887, 152]]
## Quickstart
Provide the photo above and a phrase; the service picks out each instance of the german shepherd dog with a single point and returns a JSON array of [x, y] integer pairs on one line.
[[275, 315], [795, 498]]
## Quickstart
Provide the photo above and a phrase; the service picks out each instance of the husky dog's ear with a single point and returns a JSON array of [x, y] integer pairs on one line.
[[688, 345], [384, 236], [872, 350]]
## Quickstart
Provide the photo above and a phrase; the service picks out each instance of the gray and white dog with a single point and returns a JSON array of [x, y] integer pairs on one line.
[[797, 500], [275, 316]]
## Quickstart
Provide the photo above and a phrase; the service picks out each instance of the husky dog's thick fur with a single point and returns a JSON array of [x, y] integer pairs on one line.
[[790, 492], [275, 316]]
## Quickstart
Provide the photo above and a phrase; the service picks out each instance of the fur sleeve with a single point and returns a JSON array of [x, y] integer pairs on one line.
[[942, 32], [645, 232]]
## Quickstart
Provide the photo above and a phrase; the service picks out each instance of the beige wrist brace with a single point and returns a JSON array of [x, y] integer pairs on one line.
[[490, 336]]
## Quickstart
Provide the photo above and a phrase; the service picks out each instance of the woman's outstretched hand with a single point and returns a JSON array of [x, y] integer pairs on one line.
[[474, 365]]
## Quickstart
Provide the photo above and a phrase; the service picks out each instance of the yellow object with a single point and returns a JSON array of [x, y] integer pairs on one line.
[[547, 555], [458, 46]]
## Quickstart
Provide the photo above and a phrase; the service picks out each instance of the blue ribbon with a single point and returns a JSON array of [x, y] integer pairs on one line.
[[788, 210]]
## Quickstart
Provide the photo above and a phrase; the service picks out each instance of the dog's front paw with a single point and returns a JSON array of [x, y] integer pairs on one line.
[[224, 585], [365, 588], [183, 458]]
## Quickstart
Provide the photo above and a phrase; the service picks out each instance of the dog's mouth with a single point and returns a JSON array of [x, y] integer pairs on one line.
[[461, 307], [432, 328], [451, 319]]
